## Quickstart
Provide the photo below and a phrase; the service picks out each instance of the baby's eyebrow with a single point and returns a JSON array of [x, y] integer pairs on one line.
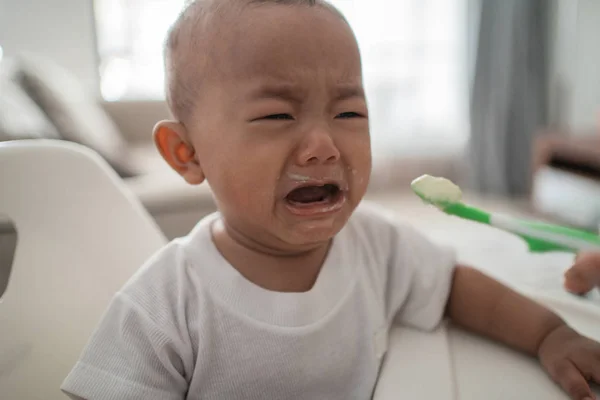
[[295, 93], [284, 91], [345, 92]]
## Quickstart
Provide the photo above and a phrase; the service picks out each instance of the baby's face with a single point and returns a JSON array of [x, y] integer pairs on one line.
[[283, 137]]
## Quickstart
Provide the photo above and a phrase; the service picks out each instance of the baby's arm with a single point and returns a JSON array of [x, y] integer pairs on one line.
[[585, 274], [489, 308]]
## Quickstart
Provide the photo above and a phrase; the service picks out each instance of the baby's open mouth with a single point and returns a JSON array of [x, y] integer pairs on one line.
[[313, 195]]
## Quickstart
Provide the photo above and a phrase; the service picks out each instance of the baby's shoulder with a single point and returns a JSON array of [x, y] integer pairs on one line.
[[161, 269], [166, 281]]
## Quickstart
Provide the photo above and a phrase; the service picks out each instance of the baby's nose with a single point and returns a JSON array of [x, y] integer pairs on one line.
[[318, 147]]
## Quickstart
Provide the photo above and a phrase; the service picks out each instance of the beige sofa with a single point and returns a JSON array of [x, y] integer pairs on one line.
[[41, 100]]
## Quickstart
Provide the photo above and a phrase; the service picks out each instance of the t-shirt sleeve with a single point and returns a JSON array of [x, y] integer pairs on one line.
[[419, 280], [129, 357]]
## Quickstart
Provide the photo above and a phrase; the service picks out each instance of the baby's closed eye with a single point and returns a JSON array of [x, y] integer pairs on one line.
[[349, 114], [277, 117]]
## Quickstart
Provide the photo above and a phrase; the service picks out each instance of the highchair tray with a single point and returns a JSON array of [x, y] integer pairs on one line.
[[454, 365]]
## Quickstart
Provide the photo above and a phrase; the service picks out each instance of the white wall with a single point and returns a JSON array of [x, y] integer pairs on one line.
[[575, 65], [61, 30]]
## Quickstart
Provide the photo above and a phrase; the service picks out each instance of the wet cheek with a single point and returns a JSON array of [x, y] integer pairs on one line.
[[359, 161], [359, 173], [360, 180]]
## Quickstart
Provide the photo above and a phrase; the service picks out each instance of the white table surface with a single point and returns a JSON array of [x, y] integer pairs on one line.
[[452, 364]]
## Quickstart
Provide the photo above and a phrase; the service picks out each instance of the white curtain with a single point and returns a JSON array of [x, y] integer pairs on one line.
[[414, 55]]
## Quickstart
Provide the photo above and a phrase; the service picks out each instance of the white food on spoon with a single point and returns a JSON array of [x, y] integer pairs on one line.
[[437, 190]]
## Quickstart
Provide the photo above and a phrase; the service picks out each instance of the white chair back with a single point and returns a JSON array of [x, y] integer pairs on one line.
[[80, 235]]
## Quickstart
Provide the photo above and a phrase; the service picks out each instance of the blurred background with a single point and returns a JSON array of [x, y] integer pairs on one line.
[[502, 96]]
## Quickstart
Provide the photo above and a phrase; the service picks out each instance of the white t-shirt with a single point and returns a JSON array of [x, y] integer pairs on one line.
[[189, 326]]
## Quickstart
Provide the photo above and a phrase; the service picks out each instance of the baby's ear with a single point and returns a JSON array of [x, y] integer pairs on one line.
[[170, 138]]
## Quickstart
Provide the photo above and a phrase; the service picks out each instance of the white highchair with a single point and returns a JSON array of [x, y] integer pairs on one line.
[[80, 236]]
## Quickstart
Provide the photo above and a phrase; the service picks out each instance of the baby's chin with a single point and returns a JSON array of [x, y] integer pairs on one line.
[[314, 233]]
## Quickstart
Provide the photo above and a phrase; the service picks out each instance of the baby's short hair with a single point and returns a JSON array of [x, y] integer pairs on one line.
[[189, 32]]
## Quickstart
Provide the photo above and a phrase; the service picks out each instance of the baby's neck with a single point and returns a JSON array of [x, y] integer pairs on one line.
[[275, 272]]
